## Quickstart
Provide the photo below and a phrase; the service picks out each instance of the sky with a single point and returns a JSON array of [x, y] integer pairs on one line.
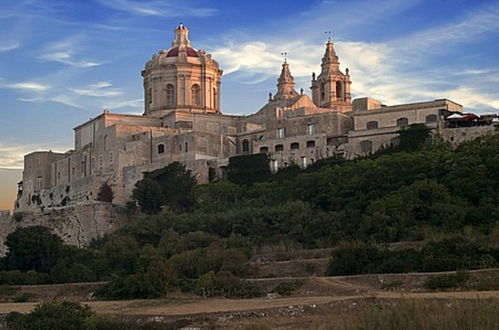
[[64, 61]]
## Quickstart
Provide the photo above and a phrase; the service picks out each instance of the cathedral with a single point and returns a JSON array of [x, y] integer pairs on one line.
[[183, 122]]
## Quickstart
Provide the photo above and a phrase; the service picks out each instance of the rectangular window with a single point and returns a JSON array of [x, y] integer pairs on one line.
[[311, 129], [39, 183], [304, 162], [280, 133]]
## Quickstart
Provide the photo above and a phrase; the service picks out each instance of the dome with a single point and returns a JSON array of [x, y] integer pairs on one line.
[[174, 52]]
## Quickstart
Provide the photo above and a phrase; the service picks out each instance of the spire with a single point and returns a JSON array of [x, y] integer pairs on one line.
[[330, 56], [285, 83], [181, 36]]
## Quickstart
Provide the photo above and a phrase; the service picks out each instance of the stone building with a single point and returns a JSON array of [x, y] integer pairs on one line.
[[183, 122]]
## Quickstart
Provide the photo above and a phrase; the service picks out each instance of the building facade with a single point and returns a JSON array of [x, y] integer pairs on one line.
[[183, 122]]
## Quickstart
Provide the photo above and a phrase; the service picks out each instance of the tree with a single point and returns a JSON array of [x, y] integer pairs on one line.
[[414, 136], [172, 186], [52, 315], [33, 248], [248, 169], [106, 194], [149, 195]]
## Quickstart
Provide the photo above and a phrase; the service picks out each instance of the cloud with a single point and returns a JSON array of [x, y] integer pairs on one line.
[[27, 86], [158, 8], [117, 104], [99, 89], [64, 51], [6, 46], [12, 154]]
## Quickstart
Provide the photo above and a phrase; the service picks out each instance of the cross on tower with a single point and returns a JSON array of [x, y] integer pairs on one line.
[[285, 55]]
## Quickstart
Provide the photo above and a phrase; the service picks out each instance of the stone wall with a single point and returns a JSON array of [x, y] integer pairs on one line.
[[76, 225]]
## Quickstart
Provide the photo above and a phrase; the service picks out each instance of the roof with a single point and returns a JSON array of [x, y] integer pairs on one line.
[[175, 50]]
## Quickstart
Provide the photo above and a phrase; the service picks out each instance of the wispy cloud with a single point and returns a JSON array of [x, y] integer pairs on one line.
[[27, 86], [12, 154], [6, 46], [158, 8], [64, 52], [99, 89]]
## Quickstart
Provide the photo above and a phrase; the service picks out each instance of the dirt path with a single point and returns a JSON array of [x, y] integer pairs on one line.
[[199, 306]]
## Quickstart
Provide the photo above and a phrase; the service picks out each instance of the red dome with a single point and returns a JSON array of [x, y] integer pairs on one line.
[[174, 52]]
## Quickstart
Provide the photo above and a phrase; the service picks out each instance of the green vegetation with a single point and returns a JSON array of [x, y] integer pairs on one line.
[[199, 238], [74, 316]]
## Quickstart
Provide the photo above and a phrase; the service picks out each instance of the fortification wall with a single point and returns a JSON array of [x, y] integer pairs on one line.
[[76, 225]]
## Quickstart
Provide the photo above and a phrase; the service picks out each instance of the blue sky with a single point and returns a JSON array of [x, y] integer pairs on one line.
[[63, 61]]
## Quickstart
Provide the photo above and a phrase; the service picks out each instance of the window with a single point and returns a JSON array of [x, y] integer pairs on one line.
[[372, 124], [339, 90], [100, 161], [431, 118], [39, 183], [161, 148], [149, 95], [111, 158], [170, 96], [264, 150], [402, 121], [311, 129], [215, 98], [275, 165], [295, 145], [279, 147], [179, 147], [186, 147], [366, 146], [105, 142], [310, 144], [322, 92], [304, 162], [245, 146], [196, 95], [280, 133]]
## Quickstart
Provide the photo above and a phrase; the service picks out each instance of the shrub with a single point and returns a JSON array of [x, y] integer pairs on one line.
[[287, 288], [445, 282]]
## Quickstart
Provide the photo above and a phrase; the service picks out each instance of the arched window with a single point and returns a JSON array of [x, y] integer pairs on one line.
[[295, 145], [170, 96], [339, 90], [245, 146], [310, 144], [196, 95], [372, 124], [431, 118], [215, 99], [366, 146], [402, 121], [279, 147], [264, 150], [161, 148], [322, 91], [149, 95], [105, 142]]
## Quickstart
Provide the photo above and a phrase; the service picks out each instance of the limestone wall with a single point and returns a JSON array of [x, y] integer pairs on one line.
[[76, 225]]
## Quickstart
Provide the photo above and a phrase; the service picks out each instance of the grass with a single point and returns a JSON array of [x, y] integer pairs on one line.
[[423, 315]]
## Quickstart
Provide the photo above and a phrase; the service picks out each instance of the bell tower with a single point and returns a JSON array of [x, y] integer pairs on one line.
[[285, 84], [331, 89]]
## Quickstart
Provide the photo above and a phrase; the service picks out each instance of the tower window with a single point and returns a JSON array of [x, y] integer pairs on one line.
[[322, 91], [339, 90], [215, 99], [196, 95], [149, 95], [170, 96]]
